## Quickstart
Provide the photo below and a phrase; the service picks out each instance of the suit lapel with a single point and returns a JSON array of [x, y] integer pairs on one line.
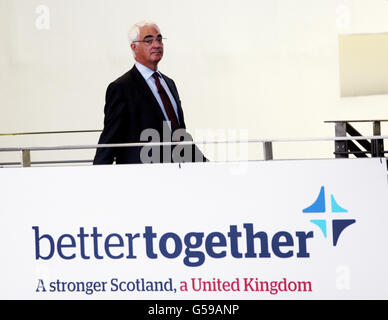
[[142, 86], [147, 93]]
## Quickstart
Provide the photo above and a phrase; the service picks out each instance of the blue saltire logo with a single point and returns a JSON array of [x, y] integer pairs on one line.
[[338, 225]]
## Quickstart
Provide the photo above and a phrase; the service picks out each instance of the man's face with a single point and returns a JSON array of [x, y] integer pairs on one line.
[[149, 54]]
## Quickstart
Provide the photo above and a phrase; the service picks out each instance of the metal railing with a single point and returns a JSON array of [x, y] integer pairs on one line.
[[267, 145], [343, 148]]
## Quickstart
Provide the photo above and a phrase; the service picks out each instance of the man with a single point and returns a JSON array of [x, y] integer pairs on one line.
[[140, 103]]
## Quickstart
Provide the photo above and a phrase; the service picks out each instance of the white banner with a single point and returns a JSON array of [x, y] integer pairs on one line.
[[247, 230]]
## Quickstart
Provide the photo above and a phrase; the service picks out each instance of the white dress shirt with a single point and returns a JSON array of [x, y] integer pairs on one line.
[[147, 75]]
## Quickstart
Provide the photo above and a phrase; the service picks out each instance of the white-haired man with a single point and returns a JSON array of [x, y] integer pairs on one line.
[[144, 100]]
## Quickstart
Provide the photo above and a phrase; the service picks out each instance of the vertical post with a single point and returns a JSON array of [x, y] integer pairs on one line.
[[377, 144], [340, 146], [26, 158], [267, 148]]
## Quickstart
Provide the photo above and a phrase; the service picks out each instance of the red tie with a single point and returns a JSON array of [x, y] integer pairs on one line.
[[167, 103]]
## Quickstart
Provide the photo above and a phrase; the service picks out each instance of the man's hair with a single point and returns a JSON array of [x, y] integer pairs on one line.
[[134, 32]]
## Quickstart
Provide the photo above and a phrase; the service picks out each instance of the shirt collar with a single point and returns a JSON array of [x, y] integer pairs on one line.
[[145, 71]]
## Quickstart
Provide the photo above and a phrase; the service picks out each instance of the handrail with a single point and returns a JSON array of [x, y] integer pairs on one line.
[[161, 144], [267, 147], [47, 132], [375, 147]]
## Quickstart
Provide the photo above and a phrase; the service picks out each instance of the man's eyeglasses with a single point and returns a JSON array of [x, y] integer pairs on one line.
[[150, 40]]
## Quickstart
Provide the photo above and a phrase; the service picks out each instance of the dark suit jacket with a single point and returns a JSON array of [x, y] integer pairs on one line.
[[130, 108]]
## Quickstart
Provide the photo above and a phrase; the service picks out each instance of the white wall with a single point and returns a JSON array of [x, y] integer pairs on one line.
[[363, 64], [270, 67]]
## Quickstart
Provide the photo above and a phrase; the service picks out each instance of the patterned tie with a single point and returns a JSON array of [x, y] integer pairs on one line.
[[167, 103]]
